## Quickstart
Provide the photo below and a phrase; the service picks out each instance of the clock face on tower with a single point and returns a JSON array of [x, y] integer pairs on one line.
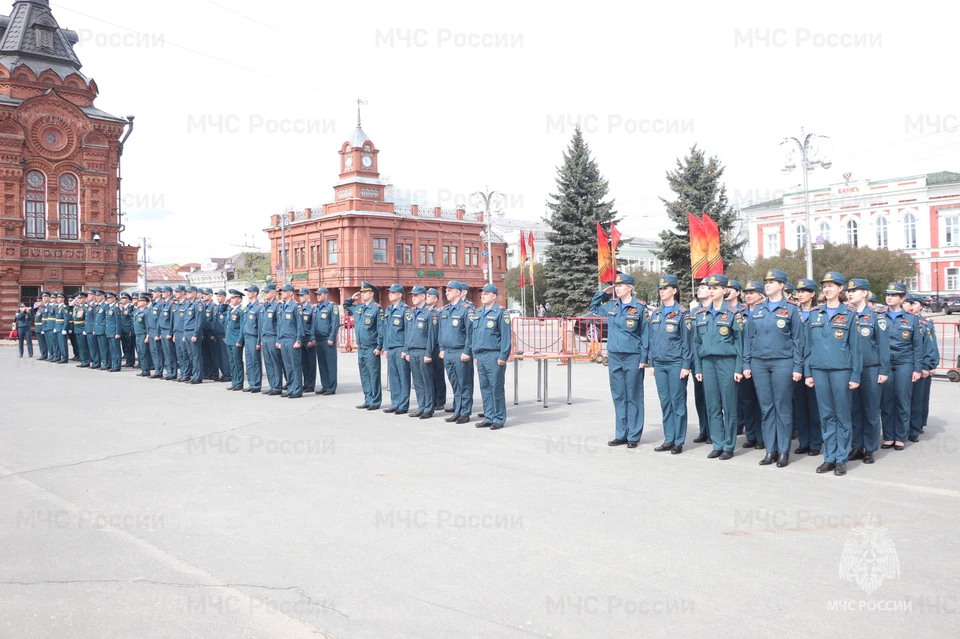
[[367, 161], [348, 160]]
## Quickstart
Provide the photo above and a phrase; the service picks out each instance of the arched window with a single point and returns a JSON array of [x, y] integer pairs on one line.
[[882, 239], [69, 209], [852, 233], [825, 231], [801, 236], [36, 205], [909, 231]]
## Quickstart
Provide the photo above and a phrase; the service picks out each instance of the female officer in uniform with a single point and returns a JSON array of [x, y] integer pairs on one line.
[[627, 341], [670, 358], [773, 357], [806, 417], [875, 351], [832, 364]]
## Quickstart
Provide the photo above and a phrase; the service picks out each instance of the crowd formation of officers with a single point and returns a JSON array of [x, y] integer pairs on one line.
[[189, 335], [834, 375]]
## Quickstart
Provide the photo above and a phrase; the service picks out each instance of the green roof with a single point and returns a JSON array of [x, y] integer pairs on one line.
[[942, 177]]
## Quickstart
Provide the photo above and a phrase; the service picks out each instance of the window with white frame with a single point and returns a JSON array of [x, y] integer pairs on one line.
[[824, 231], [953, 279], [882, 238], [909, 231], [852, 237], [771, 243], [951, 229], [911, 284], [801, 236]]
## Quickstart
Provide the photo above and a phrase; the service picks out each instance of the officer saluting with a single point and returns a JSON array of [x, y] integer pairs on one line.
[[368, 316], [490, 346], [627, 342], [832, 364], [875, 352], [671, 359]]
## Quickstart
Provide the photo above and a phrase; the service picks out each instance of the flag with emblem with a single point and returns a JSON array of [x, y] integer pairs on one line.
[[699, 265], [531, 252], [523, 258], [712, 235], [605, 270]]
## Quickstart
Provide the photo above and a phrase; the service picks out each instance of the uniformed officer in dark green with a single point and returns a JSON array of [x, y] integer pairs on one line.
[[454, 338], [718, 350], [749, 406], [155, 345], [112, 328], [24, 324], [832, 364], [47, 328], [420, 344], [194, 324], [368, 317], [80, 329], [209, 354], [61, 317], [920, 403], [38, 317], [272, 358], [875, 353], [140, 337], [184, 358], [627, 351], [72, 302], [906, 364], [90, 321], [291, 337], [171, 347], [252, 347], [806, 415], [491, 346], [393, 329], [773, 356], [220, 331], [703, 420], [308, 350], [127, 343], [439, 376], [233, 338], [671, 360], [325, 322]]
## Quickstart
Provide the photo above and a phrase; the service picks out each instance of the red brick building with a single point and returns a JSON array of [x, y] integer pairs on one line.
[[367, 234], [60, 156]]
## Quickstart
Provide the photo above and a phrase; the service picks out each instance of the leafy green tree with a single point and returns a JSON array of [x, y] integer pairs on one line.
[[571, 258], [513, 287], [696, 183], [256, 268]]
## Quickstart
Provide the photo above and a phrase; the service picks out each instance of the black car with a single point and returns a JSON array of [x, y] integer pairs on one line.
[[933, 302], [952, 304]]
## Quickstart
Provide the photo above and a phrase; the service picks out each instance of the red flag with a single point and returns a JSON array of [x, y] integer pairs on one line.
[[712, 237], [699, 265], [604, 271], [531, 252], [523, 258]]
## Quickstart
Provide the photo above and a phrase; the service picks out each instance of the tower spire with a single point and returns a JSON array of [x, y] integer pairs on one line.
[[359, 102]]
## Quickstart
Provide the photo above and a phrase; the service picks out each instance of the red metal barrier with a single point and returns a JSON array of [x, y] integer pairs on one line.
[[947, 334], [538, 337]]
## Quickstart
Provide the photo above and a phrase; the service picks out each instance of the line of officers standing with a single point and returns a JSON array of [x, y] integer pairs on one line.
[[187, 334], [834, 375]]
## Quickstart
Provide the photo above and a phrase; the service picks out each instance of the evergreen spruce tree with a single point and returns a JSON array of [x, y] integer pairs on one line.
[[571, 258], [696, 182]]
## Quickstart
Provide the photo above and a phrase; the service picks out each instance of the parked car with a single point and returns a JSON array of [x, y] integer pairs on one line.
[[513, 313], [952, 304], [933, 303]]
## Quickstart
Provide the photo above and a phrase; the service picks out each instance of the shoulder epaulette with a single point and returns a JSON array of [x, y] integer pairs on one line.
[[701, 309]]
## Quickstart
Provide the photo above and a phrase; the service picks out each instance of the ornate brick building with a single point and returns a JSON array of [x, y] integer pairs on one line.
[[59, 167], [369, 234]]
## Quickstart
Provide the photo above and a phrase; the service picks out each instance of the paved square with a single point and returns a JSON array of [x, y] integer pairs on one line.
[[142, 508]]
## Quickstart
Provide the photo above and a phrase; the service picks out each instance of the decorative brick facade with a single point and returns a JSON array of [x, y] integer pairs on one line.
[[59, 167], [364, 236]]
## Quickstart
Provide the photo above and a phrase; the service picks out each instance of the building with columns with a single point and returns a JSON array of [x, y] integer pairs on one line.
[[919, 214], [59, 224], [369, 233]]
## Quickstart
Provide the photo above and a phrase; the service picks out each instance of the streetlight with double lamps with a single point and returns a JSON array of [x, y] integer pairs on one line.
[[811, 155], [488, 198]]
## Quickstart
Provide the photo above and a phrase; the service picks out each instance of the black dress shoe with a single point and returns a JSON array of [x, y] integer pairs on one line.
[[760, 446], [311, 389], [463, 419], [364, 406], [855, 455], [841, 470], [273, 393], [913, 438], [232, 388], [794, 433], [632, 444], [713, 454], [784, 460], [727, 454], [377, 407], [802, 450], [416, 414], [196, 381], [483, 424], [664, 446], [616, 442], [254, 390], [700, 439], [480, 415], [499, 426], [426, 416], [294, 395], [885, 445], [769, 458], [740, 430], [448, 410], [749, 443], [284, 394], [677, 449], [452, 419], [399, 412], [898, 446], [390, 410], [248, 390], [868, 457], [826, 467], [813, 452]]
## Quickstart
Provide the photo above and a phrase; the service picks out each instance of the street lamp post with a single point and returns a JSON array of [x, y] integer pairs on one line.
[[488, 198], [145, 245], [810, 158]]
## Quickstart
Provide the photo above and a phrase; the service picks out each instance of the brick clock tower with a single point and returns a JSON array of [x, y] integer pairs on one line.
[[59, 167]]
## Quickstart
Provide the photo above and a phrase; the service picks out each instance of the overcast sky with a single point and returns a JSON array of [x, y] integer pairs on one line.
[[241, 106]]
